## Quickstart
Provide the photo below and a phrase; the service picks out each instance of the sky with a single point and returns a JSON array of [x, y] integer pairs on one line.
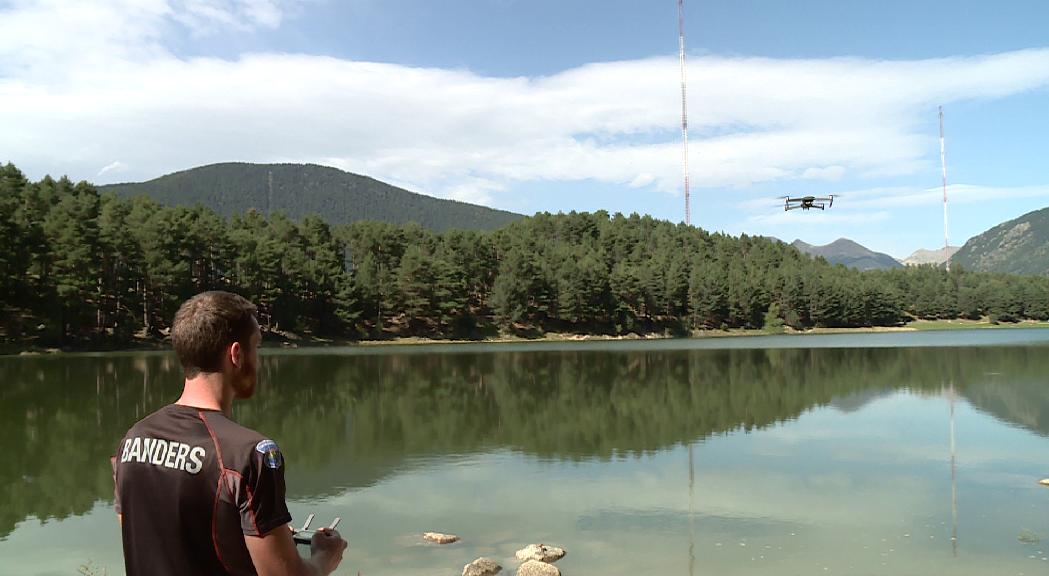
[[559, 105]]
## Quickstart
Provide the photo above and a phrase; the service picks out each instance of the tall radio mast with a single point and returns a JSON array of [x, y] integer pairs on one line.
[[943, 168], [684, 106]]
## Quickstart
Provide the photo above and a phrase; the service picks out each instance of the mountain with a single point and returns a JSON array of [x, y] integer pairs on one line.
[[923, 256], [1019, 246], [302, 189], [849, 253]]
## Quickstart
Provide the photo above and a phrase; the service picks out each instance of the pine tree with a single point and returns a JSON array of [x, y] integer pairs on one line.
[[415, 280], [14, 260], [121, 268], [71, 228], [324, 275], [517, 289], [707, 296], [625, 294], [166, 279], [451, 297]]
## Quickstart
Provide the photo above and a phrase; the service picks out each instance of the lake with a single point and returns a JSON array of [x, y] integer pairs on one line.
[[894, 453]]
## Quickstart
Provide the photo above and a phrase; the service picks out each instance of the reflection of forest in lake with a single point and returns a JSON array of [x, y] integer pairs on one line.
[[349, 421]]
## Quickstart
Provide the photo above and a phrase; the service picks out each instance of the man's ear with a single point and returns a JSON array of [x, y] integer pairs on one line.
[[236, 354]]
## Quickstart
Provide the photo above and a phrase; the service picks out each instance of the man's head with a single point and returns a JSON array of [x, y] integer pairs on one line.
[[216, 332]]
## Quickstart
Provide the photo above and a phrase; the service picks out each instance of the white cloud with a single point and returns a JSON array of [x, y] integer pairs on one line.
[[784, 218], [101, 84], [57, 42], [825, 173], [115, 167], [210, 16], [642, 180], [473, 191]]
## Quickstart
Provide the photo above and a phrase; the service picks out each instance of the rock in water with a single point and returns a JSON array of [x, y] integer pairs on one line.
[[482, 567], [537, 568], [440, 538], [541, 552]]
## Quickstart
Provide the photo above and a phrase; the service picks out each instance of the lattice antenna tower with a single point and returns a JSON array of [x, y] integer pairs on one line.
[[684, 107], [943, 170]]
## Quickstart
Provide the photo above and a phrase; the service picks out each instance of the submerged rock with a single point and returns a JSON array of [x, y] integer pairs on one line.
[[482, 567], [541, 553], [537, 568], [440, 538]]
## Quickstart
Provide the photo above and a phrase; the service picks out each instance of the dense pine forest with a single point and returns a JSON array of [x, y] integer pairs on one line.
[[81, 269]]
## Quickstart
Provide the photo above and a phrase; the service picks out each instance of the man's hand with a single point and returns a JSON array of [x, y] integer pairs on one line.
[[274, 554], [326, 550]]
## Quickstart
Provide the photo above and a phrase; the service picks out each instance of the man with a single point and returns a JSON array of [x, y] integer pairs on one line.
[[197, 493]]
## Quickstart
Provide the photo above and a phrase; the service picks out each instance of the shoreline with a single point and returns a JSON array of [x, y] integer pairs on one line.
[[913, 326], [295, 341]]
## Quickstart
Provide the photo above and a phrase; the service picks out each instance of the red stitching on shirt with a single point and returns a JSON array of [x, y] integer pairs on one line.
[[215, 524], [251, 498], [251, 509], [218, 488]]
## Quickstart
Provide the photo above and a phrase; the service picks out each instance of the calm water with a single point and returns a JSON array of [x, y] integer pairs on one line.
[[800, 455]]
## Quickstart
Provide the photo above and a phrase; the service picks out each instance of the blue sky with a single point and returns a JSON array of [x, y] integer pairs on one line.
[[558, 105]]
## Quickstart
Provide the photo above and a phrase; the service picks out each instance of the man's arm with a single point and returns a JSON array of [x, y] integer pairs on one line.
[[274, 553]]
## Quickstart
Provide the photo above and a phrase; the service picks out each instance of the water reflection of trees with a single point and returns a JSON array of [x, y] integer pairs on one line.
[[60, 419], [349, 421]]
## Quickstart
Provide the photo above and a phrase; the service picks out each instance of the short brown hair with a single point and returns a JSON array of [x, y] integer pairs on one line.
[[205, 325]]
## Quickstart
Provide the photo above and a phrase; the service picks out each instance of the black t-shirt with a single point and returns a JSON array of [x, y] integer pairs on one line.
[[190, 483]]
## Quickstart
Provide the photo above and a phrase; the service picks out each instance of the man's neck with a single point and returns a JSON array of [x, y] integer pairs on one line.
[[208, 391]]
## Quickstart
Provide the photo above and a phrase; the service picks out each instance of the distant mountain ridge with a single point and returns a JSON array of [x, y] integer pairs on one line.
[[922, 256], [849, 253], [302, 189], [1017, 246]]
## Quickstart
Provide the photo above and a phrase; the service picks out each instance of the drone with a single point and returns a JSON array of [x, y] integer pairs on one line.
[[807, 202]]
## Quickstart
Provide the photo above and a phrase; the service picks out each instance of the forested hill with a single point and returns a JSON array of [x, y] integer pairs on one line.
[[1018, 246], [301, 189], [851, 254]]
